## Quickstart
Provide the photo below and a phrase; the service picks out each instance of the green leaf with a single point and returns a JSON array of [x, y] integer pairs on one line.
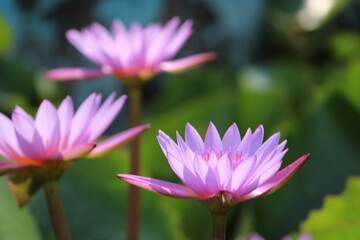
[[351, 83], [339, 218], [16, 223], [23, 185], [345, 44], [275, 95], [5, 36]]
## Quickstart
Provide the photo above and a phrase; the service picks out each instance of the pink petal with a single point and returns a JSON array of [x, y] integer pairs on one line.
[[138, 44], [193, 139], [231, 139], [225, 171], [123, 41], [73, 153], [176, 164], [201, 168], [212, 139], [150, 34], [65, 115], [64, 74], [47, 125], [278, 180], [163, 140], [6, 167], [187, 63], [211, 182], [181, 143], [178, 39], [268, 173], [245, 144], [257, 139], [117, 140], [158, 186], [108, 49], [269, 145], [241, 173], [84, 42], [10, 145], [194, 182], [155, 50], [105, 115], [29, 139], [79, 126]]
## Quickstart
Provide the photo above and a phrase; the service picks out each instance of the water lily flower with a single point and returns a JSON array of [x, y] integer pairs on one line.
[[134, 55], [221, 171], [41, 148]]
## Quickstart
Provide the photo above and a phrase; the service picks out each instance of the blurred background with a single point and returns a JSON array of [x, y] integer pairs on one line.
[[293, 66]]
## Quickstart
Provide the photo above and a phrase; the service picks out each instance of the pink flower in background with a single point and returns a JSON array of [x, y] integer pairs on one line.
[[41, 148], [134, 53], [232, 167], [255, 236]]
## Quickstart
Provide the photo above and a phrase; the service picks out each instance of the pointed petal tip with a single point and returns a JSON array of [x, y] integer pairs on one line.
[[125, 97], [117, 140], [65, 74], [187, 63], [278, 180], [159, 186], [74, 152], [70, 33]]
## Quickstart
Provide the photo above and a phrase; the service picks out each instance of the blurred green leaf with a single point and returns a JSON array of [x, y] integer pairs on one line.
[[339, 218], [180, 88], [16, 223], [94, 196], [8, 101], [345, 45], [351, 83], [17, 79], [5, 36], [276, 95]]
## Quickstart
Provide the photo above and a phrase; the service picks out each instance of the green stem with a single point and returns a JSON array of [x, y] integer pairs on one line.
[[135, 116], [56, 210], [219, 224]]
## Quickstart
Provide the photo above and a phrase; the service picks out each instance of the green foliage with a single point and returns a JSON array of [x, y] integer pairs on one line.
[[305, 85], [5, 36], [90, 188], [17, 86], [351, 83], [16, 223], [281, 91], [345, 45], [339, 218]]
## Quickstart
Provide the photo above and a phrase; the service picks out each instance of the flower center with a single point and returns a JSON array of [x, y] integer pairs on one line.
[[236, 158]]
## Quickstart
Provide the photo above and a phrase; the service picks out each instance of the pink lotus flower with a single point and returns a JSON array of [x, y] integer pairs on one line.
[[231, 168], [137, 53], [40, 149]]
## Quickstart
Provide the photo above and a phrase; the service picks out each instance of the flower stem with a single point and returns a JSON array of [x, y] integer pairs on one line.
[[135, 116], [219, 224], [56, 210]]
